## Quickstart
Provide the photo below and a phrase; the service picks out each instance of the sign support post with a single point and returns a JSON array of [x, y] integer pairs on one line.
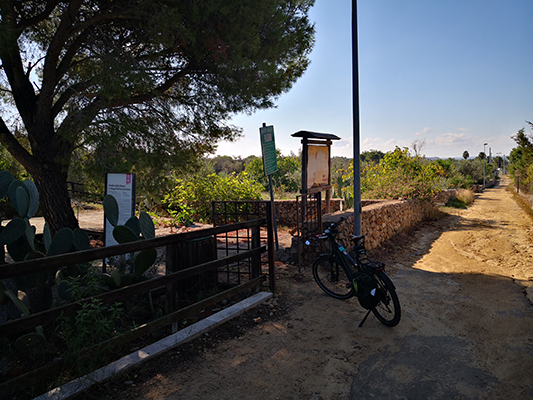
[[270, 165]]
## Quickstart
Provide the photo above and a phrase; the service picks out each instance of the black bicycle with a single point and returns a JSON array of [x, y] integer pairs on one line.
[[343, 275]]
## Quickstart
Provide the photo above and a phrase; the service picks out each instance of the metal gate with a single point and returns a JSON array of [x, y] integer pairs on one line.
[[230, 212], [309, 221]]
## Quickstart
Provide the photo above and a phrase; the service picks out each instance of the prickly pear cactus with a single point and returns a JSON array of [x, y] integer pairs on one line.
[[127, 270], [18, 236]]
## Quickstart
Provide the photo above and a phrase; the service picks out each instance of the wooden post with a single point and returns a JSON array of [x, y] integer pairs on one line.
[[319, 216], [328, 201]]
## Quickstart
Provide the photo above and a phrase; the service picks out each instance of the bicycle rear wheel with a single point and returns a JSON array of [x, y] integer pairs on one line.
[[332, 278], [388, 310]]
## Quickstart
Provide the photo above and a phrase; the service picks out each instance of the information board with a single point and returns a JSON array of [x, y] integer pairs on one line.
[[318, 166], [268, 149], [122, 188]]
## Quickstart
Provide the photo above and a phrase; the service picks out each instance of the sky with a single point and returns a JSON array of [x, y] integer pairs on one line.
[[453, 73]]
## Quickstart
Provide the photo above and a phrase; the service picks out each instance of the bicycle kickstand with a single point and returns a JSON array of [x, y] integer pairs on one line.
[[364, 319]]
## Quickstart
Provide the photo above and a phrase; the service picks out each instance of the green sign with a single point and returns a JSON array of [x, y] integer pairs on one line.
[[268, 148]]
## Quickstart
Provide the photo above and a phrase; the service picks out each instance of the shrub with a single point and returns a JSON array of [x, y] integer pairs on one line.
[[286, 179], [92, 324], [466, 196], [191, 198], [397, 175], [462, 199]]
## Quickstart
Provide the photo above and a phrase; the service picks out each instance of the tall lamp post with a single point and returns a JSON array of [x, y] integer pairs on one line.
[[484, 158], [356, 126], [504, 167]]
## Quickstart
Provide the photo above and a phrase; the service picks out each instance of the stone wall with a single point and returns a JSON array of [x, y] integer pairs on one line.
[[286, 214], [286, 210], [381, 221]]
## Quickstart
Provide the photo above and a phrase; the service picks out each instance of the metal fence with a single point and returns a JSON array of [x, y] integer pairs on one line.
[[197, 276]]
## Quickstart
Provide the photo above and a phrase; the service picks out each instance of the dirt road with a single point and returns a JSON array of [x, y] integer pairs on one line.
[[466, 330]]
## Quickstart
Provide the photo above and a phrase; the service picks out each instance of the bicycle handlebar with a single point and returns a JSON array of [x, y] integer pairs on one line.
[[330, 232]]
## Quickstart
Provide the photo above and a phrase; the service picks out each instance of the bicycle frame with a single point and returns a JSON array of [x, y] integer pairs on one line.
[[340, 254], [343, 275]]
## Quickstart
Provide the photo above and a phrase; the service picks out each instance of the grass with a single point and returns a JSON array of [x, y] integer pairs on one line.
[[523, 204], [466, 196], [462, 199]]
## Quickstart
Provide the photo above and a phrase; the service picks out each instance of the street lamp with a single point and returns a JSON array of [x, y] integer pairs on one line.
[[504, 167], [484, 157]]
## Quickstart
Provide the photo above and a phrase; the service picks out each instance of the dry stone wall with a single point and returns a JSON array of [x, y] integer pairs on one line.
[[381, 221], [286, 214]]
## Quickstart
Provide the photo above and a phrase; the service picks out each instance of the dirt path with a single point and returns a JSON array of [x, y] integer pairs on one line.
[[466, 329]]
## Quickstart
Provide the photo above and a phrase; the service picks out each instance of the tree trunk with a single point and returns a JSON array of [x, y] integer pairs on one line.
[[54, 198]]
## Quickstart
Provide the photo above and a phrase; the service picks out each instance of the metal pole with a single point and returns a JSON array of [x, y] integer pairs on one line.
[[504, 166], [484, 158], [356, 126], [273, 210]]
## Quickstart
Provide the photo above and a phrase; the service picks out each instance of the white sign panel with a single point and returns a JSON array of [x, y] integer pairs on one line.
[[122, 188], [318, 166]]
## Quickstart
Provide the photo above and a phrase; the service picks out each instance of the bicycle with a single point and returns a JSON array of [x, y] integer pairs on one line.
[[342, 276]]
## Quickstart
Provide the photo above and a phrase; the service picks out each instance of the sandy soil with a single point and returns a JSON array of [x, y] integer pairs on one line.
[[466, 330]]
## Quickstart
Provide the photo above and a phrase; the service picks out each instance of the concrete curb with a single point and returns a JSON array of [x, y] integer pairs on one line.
[[78, 385]]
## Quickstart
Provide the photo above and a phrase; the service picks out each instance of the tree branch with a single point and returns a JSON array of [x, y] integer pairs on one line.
[[158, 91], [15, 148], [51, 4], [54, 74], [67, 94], [21, 87], [61, 35]]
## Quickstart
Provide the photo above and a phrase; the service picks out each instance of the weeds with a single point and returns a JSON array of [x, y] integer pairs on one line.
[[466, 196], [523, 204], [462, 199], [94, 323]]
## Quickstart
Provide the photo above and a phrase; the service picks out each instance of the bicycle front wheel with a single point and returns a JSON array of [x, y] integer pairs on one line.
[[332, 278], [388, 310]]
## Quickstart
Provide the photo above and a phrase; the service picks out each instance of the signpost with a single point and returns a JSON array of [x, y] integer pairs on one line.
[[270, 165], [122, 188]]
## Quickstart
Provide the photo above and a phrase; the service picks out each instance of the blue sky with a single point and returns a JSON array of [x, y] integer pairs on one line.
[[455, 73]]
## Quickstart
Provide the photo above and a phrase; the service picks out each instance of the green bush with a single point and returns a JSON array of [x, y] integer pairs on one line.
[[95, 322], [191, 198], [397, 175], [473, 169], [287, 178]]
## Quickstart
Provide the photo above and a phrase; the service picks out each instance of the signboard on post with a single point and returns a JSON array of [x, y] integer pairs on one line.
[[122, 188], [270, 164], [268, 149], [318, 174]]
